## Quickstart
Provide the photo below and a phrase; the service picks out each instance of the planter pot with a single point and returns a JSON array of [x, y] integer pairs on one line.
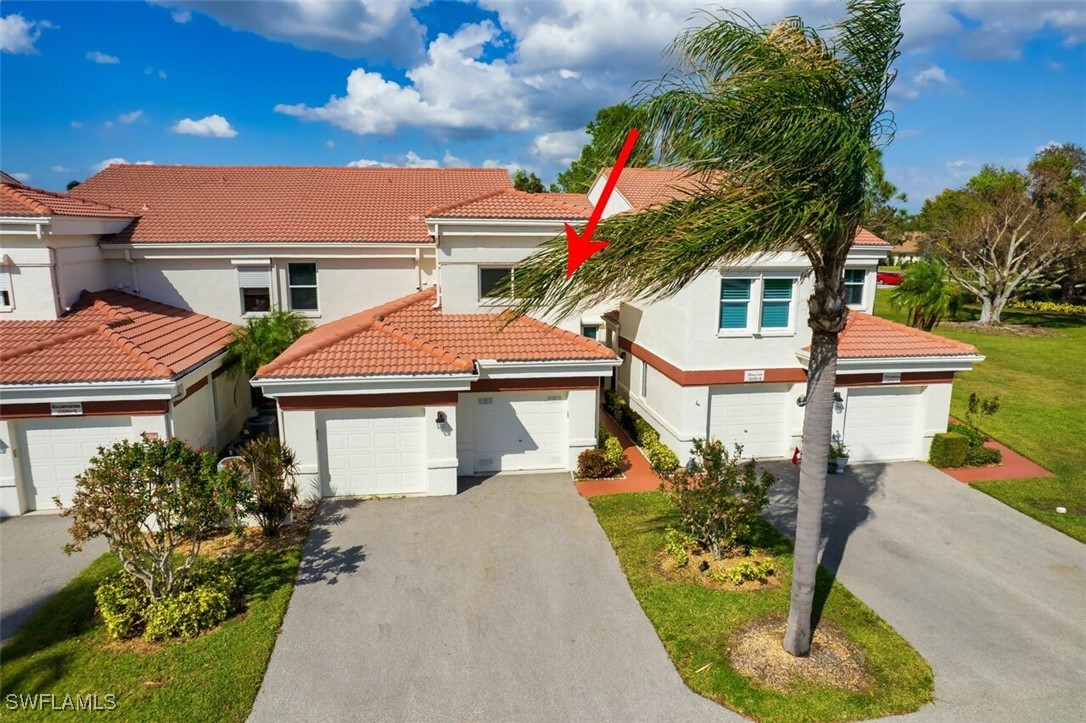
[[831, 466], [842, 462]]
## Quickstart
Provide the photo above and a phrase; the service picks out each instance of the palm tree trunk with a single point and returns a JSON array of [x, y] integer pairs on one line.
[[817, 428]]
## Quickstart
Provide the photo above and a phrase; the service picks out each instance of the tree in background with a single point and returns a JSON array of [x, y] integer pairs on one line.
[[927, 294], [71, 185], [1006, 229], [262, 339], [779, 127], [608, 131], [1059, 173], [527, 182], [883, 218]]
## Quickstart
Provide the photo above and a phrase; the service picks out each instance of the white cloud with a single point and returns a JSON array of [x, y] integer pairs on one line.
[[130, 118], [212, 126], [21, 177], [181, 16], [108, 124], [76, 124], [18, 35], [560, 146], [103, 165], [910, 86], [60, 169], [329, 144], [97, 56], [162, 74], [372, 29], [413, 160], [369, 163], [408, 160], [933, 75]]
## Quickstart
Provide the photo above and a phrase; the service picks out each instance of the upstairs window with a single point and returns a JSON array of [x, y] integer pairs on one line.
[[854, 286], [5, 289], [255, 283], [591, 331], [302, 285], [776, 303], [734, 303], [493, 278]]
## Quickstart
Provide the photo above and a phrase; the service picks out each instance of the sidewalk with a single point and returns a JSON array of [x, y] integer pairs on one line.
[[639, 477], [1014, 466]]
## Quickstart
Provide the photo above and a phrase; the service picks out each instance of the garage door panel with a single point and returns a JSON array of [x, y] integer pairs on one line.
[[374, 451], [753, 416], [520, 431], [56, 450], [882, 423]]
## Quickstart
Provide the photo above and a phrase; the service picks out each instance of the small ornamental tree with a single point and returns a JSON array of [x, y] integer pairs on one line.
[[270, 467], [154, 501], [719, 496]]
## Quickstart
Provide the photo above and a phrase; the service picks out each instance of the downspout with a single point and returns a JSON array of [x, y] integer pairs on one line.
[[418, 268], [135, 276], [437, 265], [54, 276]]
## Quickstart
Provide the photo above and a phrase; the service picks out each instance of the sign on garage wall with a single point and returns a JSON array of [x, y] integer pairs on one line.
[[66, 409], [891, 378], [754, 375]]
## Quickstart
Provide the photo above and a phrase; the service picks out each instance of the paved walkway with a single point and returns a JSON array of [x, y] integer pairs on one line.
[[33, 568], [1014, 466], [994, 600], [505, 602], [639, 477]]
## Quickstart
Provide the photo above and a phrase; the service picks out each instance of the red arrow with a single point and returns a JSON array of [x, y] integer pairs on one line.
[[582, 247]]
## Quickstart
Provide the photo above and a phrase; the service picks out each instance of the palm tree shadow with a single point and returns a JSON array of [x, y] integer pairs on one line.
[[323, 562], [846, 509]]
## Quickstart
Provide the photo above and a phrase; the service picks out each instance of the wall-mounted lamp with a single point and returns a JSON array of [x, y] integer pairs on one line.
[[622, 355], [441, 419], [838, 398]]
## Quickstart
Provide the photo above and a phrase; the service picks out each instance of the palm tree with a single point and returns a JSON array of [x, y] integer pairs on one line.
[[262, 339], [781, 127], [927, 294]]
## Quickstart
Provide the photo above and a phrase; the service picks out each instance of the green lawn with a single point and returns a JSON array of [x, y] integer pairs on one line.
[[64, 649], [1041, 382], [695, 623]]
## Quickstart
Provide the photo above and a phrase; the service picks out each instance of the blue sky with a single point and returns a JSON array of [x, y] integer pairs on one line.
[[405, 82]]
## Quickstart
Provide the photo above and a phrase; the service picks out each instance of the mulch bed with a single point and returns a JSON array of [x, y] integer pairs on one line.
[[756, 652], [665, 565], [1001, 329]]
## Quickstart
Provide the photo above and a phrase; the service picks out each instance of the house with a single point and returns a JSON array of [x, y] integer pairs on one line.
[[118, 299]]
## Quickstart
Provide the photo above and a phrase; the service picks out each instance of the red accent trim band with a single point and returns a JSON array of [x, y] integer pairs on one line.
[[706, 377], [366, 401], [875, 379], [134, 407], [526, 385]]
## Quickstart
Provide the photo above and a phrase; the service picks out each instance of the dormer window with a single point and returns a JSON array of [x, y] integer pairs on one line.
[[855, 280], [492, 278], [6, 302]]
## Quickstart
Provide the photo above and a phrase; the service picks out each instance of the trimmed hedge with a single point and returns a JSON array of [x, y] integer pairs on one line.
[[976, 439], [948, 449], [612, 452], [661, 458], [646, 435], [982, 457], [593, 464]]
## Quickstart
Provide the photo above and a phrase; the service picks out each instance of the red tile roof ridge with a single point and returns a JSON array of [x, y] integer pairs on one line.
[[29, 198], [341, 329], [50, 341], [414, 341], [554, 203], [911, 331], [110, 333]]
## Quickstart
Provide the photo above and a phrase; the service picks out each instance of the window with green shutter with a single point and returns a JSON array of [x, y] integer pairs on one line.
[[734, 303], [776, 303], [854, 286]]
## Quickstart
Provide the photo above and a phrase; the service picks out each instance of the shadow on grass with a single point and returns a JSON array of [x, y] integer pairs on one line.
[[1047, 320]]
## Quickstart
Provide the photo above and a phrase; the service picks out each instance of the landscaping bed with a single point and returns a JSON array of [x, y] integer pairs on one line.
[[65, 649], [709, 633]]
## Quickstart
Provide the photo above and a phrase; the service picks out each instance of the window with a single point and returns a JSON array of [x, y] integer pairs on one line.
[[5, 289], [491, 279], [302, 286], [776, 303], [734, 302], [854, 286], [590, 330], [255, 283]]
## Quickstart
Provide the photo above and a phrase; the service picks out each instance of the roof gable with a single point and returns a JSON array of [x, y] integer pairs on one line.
[[20, 200], [867, 336], [511, 203]]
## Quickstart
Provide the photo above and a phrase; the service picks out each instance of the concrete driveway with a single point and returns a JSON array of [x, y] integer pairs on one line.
[[994, 600], [505, 602], [33, 567]]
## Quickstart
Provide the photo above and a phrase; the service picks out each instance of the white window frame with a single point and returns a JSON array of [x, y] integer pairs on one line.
[[6, 286], [863, 287], [495, 300], [315, 287], [754, 305], [644, 379], [597, 327], [251, 264]]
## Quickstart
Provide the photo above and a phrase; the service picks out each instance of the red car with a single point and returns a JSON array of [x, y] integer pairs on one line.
[[891, 278]]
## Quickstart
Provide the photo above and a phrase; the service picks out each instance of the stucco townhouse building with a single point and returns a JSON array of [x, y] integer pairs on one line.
[[118, 298]]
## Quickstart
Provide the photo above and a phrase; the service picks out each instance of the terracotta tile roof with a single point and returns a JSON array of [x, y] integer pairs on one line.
[[16, 200], [645, 187], [867, 336], [511, 203], [283, 203], [109, 336], [410, 336]]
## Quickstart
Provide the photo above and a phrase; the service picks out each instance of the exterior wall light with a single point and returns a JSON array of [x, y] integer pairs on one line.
[[441, 419]]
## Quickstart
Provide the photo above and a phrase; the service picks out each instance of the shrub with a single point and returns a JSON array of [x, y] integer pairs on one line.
[[661, 458], [270, 467], [187, 613], [679, 545], [976, 439], [615, 404], [630, 418], [948, 449], [603, 435], [980, 407], [718, 497], [612, 452], [593, 464], [154, 501], [1050, 306], [122, 602], [646, 435], [982, 456], [749, 571]]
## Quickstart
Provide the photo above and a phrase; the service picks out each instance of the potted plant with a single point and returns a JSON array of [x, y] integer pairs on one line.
[[838, 454]]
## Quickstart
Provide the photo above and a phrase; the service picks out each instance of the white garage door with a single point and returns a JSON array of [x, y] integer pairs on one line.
[[374, 451], [881, 424], [520, 431], [753, 416], [56, 449]]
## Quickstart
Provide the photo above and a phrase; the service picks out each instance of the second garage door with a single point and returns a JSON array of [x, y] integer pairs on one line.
[[520, 431], [55, 450], [751, 415], [374, 452], [882, 423]]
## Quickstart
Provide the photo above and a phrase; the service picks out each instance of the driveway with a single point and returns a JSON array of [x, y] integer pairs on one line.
[[994, 600], [505, 602], [33, 567]]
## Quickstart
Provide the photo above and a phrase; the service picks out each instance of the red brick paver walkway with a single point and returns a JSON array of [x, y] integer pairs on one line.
[[639, 477], [1014, 466]]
